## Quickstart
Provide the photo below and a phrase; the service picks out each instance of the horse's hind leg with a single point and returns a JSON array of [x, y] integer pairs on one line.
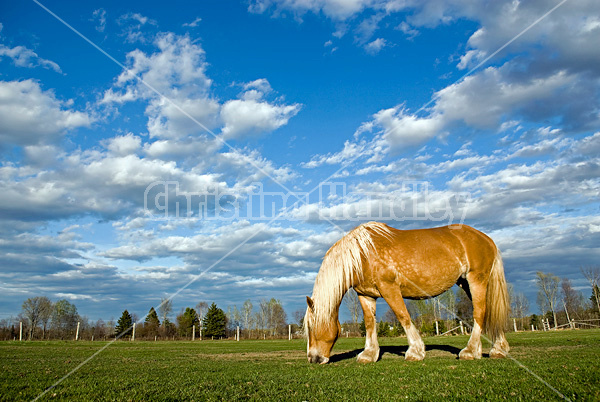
[[416, 347], [371, 352], [500, 348], [477, 290]]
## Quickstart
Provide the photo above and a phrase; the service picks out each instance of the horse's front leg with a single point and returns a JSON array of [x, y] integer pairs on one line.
[[393, 297], [371, 352]]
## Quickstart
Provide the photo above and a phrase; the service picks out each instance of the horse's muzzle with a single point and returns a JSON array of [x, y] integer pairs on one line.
[[315, 358]]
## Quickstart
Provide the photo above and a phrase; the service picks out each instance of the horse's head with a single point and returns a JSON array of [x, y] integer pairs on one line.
[[320, 334]]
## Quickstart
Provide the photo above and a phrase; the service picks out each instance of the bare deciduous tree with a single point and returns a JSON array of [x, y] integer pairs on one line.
[[201, 309], [37, 310], [353, 305], [548, 292], [520, 307], [165, 308], [247, 314], [572, 299], [592, 274]]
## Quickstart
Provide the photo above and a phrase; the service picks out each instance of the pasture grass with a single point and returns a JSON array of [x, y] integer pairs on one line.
[[568, 361]]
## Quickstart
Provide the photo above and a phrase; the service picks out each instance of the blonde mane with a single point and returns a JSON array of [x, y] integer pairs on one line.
[[342, 265]]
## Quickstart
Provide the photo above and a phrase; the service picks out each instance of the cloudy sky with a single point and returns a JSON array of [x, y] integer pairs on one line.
[[223, 146]]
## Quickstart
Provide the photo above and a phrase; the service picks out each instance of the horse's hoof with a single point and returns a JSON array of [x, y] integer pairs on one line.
[[466, 355], [497, 354], [413, 356], [368, 357]]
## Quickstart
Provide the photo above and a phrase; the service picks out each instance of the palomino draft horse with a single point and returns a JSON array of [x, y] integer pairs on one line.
[[380, 261]]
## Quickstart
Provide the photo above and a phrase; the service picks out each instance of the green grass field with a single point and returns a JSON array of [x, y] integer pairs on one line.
[[568, 361]]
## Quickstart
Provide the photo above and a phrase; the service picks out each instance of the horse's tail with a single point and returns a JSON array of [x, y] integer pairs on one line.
[[497, 301], [342, 266]]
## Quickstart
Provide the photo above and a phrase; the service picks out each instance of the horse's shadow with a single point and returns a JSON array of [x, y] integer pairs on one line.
[[394, 350]]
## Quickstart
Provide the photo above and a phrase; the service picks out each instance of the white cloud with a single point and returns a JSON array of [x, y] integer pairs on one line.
[[256, 89], [99, 15], [375, 46], [350, 152], [193, 24], [95, 183], [251, 114], [487, 100], [335, 9], [405, 28], [24, 57], [29, 115], [243, 117], [404, 130], [133, 24], [367, 28], [176, 71], [124, 145], [201, 148]]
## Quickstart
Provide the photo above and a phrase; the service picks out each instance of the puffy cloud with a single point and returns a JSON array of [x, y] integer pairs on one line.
[[24, 57], [106, 184], [250, 117], [404, 130], [30, 115], [490, 99], [174, 81], [124, 145], [251, 114]]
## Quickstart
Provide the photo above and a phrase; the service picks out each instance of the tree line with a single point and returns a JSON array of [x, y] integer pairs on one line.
[[43, 319], [557, 300]]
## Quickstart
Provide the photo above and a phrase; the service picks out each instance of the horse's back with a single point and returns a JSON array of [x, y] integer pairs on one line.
[[426, 262]]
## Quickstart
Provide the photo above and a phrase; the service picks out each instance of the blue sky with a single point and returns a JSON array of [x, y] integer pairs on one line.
[[396, 102]]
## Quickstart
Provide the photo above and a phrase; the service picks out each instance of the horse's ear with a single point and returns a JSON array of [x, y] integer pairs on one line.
[[311, 304]]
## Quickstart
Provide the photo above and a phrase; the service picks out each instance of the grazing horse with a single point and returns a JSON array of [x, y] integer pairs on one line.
[[380, 261]]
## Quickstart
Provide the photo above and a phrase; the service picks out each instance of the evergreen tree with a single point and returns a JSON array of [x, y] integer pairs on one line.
[[186, 321], [152, 323], [124, 325], [214, 322], [383, 329], [535, 321]]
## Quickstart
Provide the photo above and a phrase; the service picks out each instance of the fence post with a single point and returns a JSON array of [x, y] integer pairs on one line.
[[237, 335], [133, 335], [20, 331], [77, 332], [515, 324], [462, 330], [193, 332], [437, 329], [289, 332]]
